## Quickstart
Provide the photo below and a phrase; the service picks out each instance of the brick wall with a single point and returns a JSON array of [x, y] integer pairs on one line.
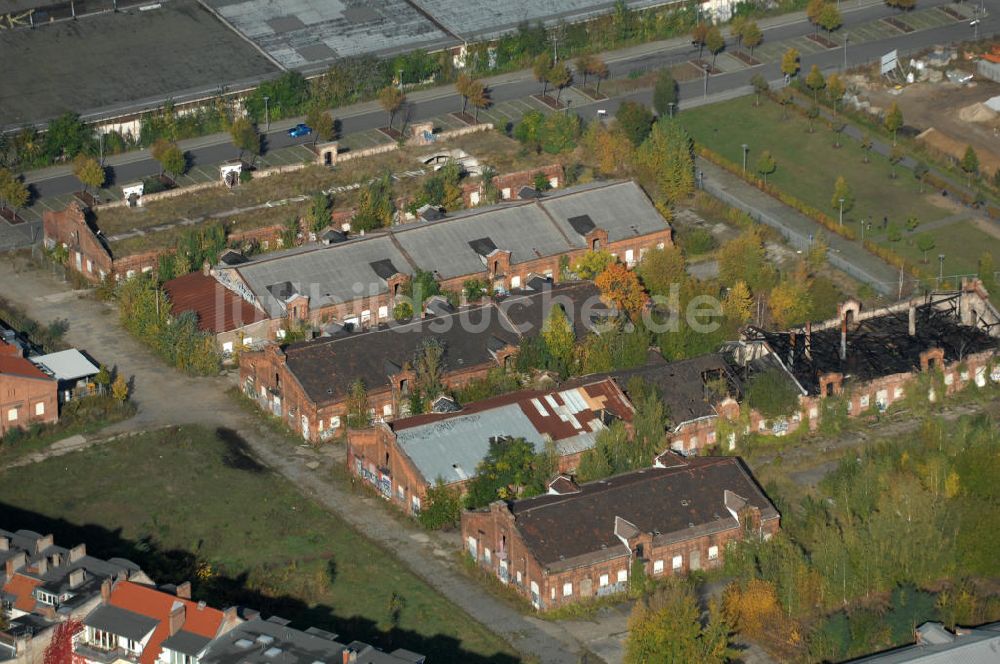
[[20, 399], [491, 538], [265, 377]]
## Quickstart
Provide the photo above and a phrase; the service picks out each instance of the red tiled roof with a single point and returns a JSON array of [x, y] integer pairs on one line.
[[22, 587], [218, 309], [18, 366], [9, 349], [203, 621]]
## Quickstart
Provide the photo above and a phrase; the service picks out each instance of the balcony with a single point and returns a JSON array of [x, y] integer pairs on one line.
[[94, 653]]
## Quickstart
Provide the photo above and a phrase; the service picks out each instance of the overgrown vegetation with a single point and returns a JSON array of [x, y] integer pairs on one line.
[[891, 538], [144, 310]]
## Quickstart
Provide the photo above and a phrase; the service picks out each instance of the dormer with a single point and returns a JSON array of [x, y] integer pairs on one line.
[[595, 238], [387, 272], [297, 307], [563, 485]]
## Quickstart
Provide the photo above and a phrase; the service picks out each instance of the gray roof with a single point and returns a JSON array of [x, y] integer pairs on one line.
[[121, 622], [939, 646], [452, 448], [451, 247], [187, 643], [66, 365], [266, 642], [326, 273]]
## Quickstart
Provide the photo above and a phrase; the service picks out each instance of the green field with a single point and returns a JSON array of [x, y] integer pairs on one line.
[[961, 243], [188, 504], [807, 163]]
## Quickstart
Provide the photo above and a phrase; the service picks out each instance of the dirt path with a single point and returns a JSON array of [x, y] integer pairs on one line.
[[165, 397]]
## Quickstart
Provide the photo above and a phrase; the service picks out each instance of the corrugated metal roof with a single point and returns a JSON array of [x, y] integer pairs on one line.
[[451, 445], [66, 364]]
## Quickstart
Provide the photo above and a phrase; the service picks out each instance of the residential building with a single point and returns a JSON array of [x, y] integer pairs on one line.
[[27, 394], [357, 282], [307, 384], [233, 321], [73, 370], [42, 584], [580, 541], [402, 459], [936, 645], [272, 641], [873, 359], [142, 624]]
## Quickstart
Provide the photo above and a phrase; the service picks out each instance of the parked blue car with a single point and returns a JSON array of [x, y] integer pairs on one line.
[[300, 130]]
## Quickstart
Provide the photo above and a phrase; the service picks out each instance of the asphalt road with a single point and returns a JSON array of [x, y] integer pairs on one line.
[[690, 92]]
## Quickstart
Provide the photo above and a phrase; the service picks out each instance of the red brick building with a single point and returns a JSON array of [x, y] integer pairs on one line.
[[873, 359], [27, 395], [234, 321], [307, 383], [89, 250], [357, 282], [402, 459], [580, 541]]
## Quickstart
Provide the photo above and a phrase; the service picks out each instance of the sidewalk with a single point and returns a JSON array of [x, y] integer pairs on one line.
[[798, 229]]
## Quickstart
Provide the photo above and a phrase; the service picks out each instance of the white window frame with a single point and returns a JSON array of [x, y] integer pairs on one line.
[[39, 408], [677, 563], [568, 589], [12, 415], [603, 581], [622, 575], [713, 553], [658, 567]]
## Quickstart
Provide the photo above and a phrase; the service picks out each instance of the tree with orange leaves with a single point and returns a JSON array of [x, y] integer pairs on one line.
[[621, 286], [60, 648]]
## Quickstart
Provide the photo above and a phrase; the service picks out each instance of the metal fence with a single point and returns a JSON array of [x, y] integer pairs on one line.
[[794, 238]]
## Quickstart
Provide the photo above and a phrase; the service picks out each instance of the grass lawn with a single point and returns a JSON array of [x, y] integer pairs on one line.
[[807, 163], [188, 504], [962, 243]]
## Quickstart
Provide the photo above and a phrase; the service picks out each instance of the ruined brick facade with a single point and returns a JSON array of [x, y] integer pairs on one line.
[[89, 253]]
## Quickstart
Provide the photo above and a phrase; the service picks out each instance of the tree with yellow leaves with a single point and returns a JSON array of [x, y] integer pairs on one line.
[[621, 286], [752, 609], [119, 389], [666, 628], [738, 303], [791, 302], [612, 148]]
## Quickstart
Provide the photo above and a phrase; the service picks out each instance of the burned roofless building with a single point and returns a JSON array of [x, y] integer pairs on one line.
[[901, 339]]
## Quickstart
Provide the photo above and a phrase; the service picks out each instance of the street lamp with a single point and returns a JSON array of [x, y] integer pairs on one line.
[[846, 38], [267, 116], [746, 149], [841, 211], [670, 105], [706, 79], [940, 269]]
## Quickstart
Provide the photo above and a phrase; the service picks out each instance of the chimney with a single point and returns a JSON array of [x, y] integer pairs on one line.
[[4, 544], [206, 268], [183, 590], [843, 338], [913, 320], [791, 348], [77, 577], [809, 338], [43, 543], [41, 566], [77, 552], [105, 590], [176, 619], [350, 656]]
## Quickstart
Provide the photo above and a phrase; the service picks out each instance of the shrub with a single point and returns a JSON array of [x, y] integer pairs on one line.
[[771, 394]]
